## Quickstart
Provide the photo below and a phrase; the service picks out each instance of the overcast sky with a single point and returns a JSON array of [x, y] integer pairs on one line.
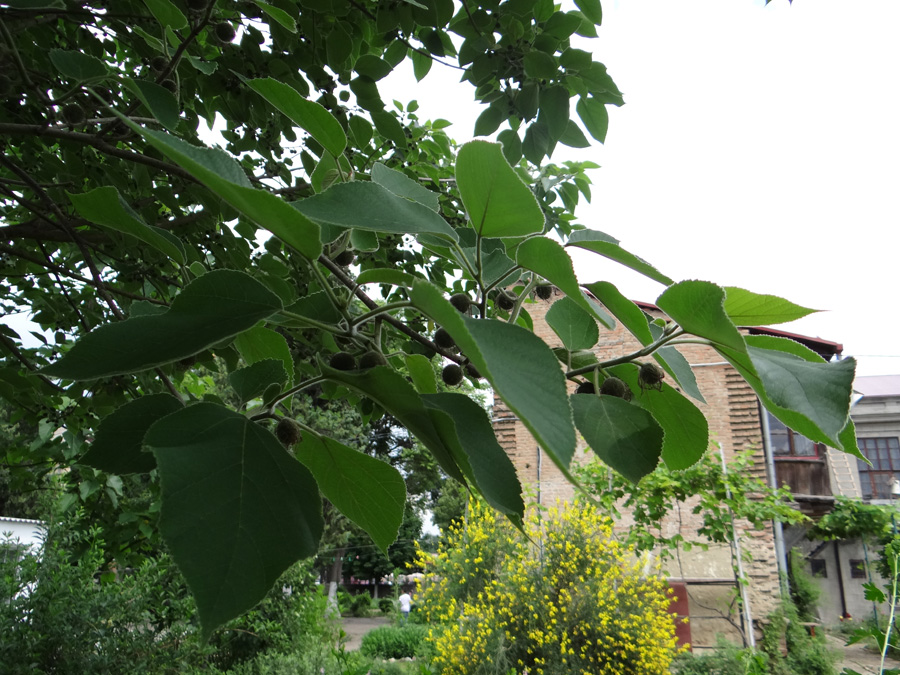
[[759, 147]]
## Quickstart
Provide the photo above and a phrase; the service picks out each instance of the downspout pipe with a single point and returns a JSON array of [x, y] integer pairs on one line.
[[780, 552]]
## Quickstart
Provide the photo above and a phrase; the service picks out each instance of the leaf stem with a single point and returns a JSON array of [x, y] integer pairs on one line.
[[514, 314], [649, 349], [389, 307], [887, 634], [287, 394], [329, 291], [335, 330]]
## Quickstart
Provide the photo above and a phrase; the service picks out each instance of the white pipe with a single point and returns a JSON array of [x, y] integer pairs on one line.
[[780, 552]]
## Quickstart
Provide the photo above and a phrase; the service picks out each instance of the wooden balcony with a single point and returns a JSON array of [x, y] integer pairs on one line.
[[808, 481]]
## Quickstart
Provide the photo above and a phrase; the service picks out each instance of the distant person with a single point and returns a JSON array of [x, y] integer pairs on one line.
[[405, 605]]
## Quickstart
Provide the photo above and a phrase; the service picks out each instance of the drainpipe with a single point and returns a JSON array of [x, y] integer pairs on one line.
[[749, 636], [780, 553]]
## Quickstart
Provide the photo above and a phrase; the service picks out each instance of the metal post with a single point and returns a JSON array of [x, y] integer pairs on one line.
[[780, 552]]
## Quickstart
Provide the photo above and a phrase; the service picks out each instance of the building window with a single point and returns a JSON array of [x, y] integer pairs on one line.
[[884, 453], [817, 568], [788, 443], [858, 569]]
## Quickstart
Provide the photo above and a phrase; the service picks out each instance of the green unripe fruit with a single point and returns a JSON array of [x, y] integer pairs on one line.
[[170, 84], [371, 359], [461, 301], [442, 339], [452, 375], [159, 63], [585, 387], [343, 361], [225, 32], [651, 376], [506, 300], [288, 432], [73, 113], [345, 258], [613, 386], [472, 372], [544, 291]]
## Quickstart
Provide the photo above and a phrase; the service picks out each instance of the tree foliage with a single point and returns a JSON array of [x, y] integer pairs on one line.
[[315, 249]]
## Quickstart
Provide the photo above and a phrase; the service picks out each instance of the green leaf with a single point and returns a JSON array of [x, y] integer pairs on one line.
[[389, 127], [512, 146], [746, 308], [421, 65], [225, 177], [608, 247], [575, 327], [555, 110], [210, 309], [674, 363], [492, 470], [390, 390], [368, 491], [364, 241], [372, 67], [161, 103], [698, 307], [624, 436], [499, 204], [549, 259], [574, 137], [279, 15], [104, 206], [594, 116], [308, 115], [807, 394], [421, 370], [118, 444], [685, 429], [518, 364], [540, 65], [591, 9], [167, 14], [78, 65], [631, 316], [385, 276], [536, 143], [489, 121], [259, 343], [237, 510], [368, 206], [251, 382], [403, 186]]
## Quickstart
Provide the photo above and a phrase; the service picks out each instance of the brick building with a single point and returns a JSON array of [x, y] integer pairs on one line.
[[705, 580]]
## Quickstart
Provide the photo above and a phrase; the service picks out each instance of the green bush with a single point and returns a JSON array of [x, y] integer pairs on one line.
[[393, 642], [726, 659], [385, 605], [360, 604]]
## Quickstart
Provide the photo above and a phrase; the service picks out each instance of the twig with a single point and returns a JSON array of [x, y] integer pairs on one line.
[[11, 346]]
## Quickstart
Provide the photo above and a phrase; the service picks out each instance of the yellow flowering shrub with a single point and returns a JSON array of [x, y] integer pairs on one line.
[[569, 598]]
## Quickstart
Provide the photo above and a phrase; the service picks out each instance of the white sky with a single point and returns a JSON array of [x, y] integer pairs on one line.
[[759, 147]]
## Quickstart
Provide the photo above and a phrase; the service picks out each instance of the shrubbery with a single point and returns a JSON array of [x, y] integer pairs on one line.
[[394, 642], [570, 599]]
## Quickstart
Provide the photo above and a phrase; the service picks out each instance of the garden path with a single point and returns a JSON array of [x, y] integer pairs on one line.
[[859, 657], [356, 627]]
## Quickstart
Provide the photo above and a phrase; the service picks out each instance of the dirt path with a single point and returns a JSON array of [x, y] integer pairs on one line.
[[859, 657], [355, 628]]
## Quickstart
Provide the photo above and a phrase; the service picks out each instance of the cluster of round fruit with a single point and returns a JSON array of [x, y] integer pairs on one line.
[[650, 377]]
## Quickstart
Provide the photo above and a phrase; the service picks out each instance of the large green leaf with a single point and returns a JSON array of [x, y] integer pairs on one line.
[[237, 510], [549, 259], [404, 186], [594, 116], [421, 370], [623, 435], [685, 428], [104, 206], [168, 15], [631, 316], [260, 343], [279, 15], [492, 470], [368, 491], [216, 306], [381, 275], [118, 444], [698, 307], [674, 363], [161, 103], [308, 115], [253, 381], [518, 364], [746, 308], [224, 176], [499, 204], [390, 390], [591, 9], [78, 65], [368, 206], [808, 395], [575, 327], [608, 247]]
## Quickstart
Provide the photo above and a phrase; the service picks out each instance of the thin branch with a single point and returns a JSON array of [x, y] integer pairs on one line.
[[649, 349], [11, 346], [65, 292], [23, 72]]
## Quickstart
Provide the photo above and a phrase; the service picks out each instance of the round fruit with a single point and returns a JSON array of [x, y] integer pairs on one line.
[[651, 376], [461, 301], [225, 32], [343, 361], [613, 386], [585, 387], [170, 84], [288, 432], [506, 300], [442, 339], [73, 114], [472, 371], [371, 359], [345, 258], [452, 375], [159, 63], [544, 291]]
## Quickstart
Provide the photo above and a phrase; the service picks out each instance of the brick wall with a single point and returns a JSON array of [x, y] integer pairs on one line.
[[732, 412]]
